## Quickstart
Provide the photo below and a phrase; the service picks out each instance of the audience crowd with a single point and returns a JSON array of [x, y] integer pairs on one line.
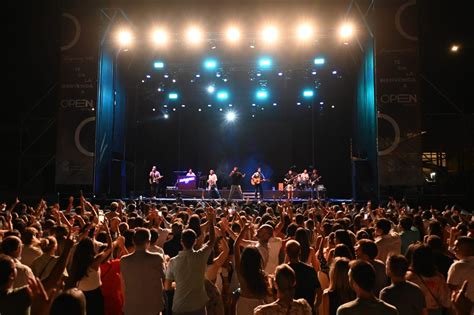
[[237, 258]]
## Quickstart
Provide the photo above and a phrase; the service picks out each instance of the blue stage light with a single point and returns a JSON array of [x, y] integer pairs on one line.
[[319, 61], [158, 64], [173, 96], [262, 94], [308, 93], [210, 64], [265, 63], [222, 95]]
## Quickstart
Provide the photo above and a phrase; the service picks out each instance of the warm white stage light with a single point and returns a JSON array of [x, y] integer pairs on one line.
[[160, 37], [346, 30], [194, 35], [270, 34], [304, 32], [124, 37], [233, 34], [454, 48]]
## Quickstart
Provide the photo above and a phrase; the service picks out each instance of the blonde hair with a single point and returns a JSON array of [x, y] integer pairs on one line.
[[339, 280]]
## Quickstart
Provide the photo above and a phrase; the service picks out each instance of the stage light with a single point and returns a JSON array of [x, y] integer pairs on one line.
[[308, 93], [125, 37], [261, 94], [148, 76], [298, 103], [265, 63], [314, 73], [230, 116], [233, 34], [211, 89], [280, 74], [166, 116], [304, 32], [173, 96], [334, 72], [346, 31], [194, 35], [159, 37], [210, 64], [209, 105], [332, 106], [154, 109], [274, 104], [454, 48], [158, 64], [270, 34], [321, 103], [319, 61], [222, 95], [199, 110]]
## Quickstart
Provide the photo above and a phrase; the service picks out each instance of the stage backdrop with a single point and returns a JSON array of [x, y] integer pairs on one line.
[[78, 98], [399, 116]]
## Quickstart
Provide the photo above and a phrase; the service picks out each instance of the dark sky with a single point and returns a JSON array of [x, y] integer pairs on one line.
[[33, 60]]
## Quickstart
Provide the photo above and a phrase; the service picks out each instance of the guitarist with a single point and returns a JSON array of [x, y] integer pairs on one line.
[[314, 182], [289, 182], [256, 180], [154, 181]]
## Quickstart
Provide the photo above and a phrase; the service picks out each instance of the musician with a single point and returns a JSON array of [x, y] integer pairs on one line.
[[212, 185], [236, 180], [257, 179], [154, 181], [289, 181], [191, 173], [303, 180], [314, 182]]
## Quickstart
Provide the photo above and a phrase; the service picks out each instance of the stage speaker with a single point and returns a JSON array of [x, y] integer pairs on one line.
[[363, 180]]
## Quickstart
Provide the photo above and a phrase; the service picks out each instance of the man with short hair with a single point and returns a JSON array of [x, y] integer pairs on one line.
[[12, 246], [387, 242], [173, 246], [188, 269], [142, 273], [409, 234], [307, 283], [366, 250], [406, 296], [463, 269], [362, 281], [236, 180], [30, 251]]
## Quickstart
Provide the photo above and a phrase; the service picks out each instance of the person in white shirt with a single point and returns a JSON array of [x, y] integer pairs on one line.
[[212, 185], [463, 269], [191, 173], [387, 241], [12, 246], [188, 269]]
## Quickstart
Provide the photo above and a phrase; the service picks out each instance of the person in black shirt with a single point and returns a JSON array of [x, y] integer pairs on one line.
[[257, 181], [236, 179], [307, 283], [173, 246]]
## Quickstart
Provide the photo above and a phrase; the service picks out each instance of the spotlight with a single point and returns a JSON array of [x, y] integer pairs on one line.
[[154, 109], [148, 76], [159, 37], [124, 37], [346, 31], [262, 94], [211, 89], [222, 96], [158, 64], [230, 116], [173, 96], [454, 48], [166, 116], [270, 34], [304, 32], [334, 72], [233, 34], [308, 93], [194, 35], [319, 61], [210, 64], [265, 63]]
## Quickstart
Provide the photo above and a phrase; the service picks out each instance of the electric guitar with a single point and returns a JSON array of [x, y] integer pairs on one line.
[[257, 180], [313, 182], [290, 180], [155, 180]]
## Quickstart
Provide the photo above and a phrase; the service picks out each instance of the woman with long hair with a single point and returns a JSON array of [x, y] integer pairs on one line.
[[44, 264], [308, 253], [85, 272], [253, 281], [423, 272], [339, 291]]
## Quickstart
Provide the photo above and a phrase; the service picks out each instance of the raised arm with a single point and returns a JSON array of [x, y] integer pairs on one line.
[[237, 245]]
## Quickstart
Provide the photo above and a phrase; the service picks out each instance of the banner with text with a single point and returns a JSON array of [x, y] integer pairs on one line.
[[78, 98], [397, 90]]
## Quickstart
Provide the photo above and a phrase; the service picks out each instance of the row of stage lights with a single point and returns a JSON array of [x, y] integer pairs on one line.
[[269, 34]]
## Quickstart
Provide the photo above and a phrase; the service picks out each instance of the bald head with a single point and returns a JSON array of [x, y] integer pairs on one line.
[[293, 250]]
